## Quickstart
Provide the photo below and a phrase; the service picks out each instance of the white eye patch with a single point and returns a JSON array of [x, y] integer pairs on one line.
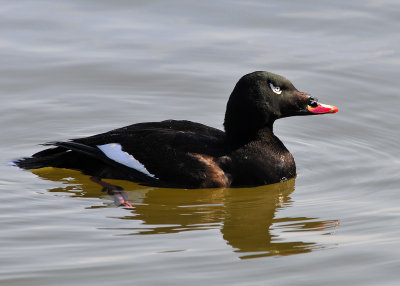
[[275, 89]]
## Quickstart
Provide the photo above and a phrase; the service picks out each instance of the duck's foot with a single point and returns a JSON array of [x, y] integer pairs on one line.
[[116, 192]]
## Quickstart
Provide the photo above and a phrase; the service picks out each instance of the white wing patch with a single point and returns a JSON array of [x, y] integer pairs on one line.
[[115, 153]]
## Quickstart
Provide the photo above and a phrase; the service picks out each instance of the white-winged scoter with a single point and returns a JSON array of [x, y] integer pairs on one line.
[[186, 154]]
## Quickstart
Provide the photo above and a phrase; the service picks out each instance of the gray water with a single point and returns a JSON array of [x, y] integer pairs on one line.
[[77, 68]]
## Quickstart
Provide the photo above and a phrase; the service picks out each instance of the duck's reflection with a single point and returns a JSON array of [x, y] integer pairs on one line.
[[246, 217]]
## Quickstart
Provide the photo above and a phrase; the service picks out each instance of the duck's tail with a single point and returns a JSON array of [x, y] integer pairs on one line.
[[51, 157]]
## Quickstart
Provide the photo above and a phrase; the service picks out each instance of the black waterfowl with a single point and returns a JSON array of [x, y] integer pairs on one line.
[[192, 155]]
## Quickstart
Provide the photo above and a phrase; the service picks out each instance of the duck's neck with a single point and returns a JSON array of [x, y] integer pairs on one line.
[[242, 133], [244, 119]]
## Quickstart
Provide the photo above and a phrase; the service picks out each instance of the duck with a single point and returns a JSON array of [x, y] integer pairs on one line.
[[186, 154]]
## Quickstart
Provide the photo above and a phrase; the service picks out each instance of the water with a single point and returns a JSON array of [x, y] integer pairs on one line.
[[77, 68]]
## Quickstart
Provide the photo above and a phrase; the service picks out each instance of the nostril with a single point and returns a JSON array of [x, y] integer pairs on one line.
[[313, 102]]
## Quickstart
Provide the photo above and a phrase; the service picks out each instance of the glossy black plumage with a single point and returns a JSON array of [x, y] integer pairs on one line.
[[192, 155]]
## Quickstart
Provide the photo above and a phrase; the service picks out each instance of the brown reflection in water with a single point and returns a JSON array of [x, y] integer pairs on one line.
[[245, 216]]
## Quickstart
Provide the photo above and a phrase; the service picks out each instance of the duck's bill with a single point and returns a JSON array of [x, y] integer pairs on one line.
[[322, 108]]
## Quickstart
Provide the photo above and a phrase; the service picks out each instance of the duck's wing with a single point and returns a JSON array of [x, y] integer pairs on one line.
[[163, 153], [167, 151]]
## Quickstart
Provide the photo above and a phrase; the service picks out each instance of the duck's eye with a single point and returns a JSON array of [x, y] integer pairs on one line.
[[275, 89]]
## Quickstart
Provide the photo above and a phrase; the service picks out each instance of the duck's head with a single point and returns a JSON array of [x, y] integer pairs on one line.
[[259, 98]]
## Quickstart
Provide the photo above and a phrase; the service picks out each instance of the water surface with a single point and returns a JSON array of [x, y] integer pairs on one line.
[[77, 68]]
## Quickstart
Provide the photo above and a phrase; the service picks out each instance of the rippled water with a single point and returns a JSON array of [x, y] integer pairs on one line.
[[77, 68]]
